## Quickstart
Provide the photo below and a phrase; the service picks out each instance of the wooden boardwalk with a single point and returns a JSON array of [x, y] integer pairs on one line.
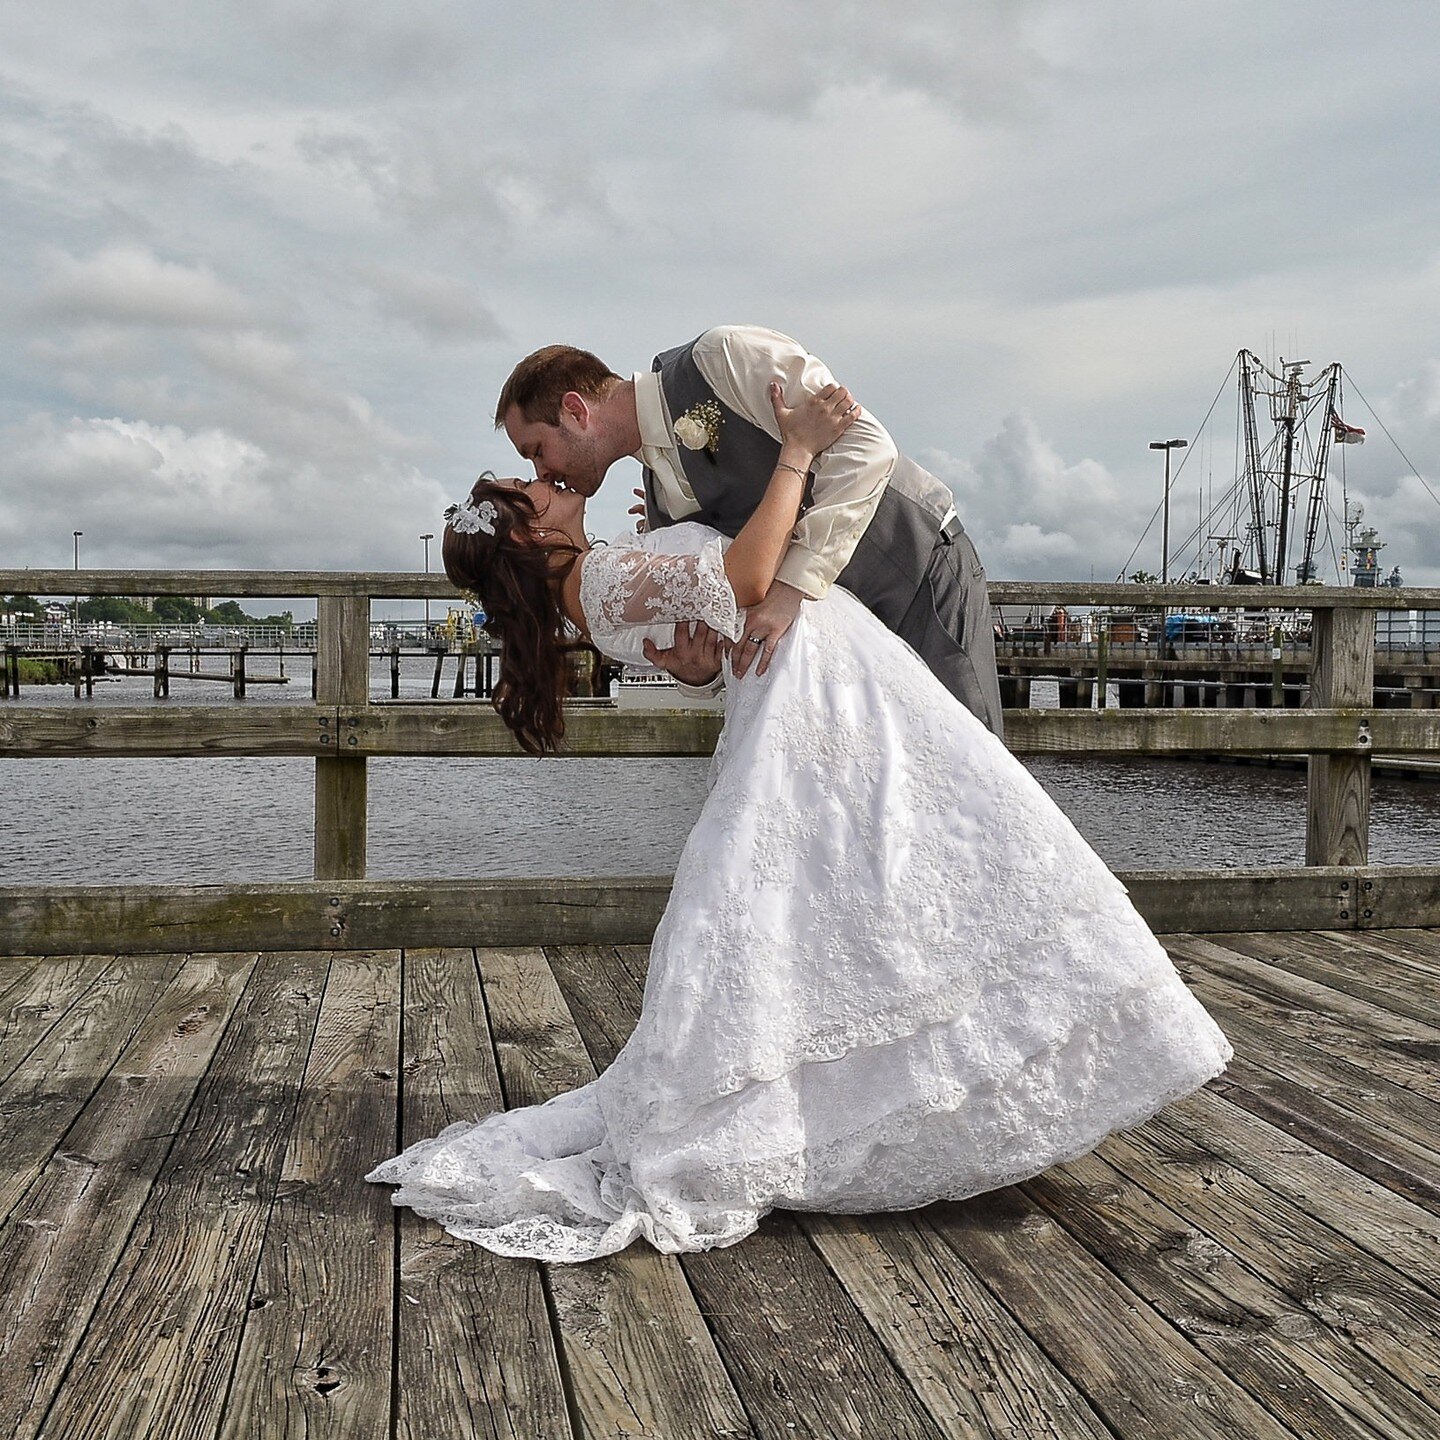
[[188, 1248]]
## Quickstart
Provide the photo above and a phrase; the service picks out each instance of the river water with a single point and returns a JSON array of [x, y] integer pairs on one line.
[[101, 821]]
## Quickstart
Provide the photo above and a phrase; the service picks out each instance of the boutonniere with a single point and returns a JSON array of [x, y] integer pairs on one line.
[[699, 428]]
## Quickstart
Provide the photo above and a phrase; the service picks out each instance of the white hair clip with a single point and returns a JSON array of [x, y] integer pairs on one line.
[[466, 519]]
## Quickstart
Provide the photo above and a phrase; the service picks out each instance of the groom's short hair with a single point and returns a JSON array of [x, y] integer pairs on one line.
[[540, 381]]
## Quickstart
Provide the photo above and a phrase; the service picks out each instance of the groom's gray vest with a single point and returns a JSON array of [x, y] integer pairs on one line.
[[914, 568], [888, 564]]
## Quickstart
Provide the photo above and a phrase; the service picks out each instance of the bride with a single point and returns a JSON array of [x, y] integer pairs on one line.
[[890, 970]]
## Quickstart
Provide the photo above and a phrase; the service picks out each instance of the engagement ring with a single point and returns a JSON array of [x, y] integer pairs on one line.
[[756, 639]]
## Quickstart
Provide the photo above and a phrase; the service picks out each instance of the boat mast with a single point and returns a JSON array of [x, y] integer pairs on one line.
[[1287, 422], [1305, 571], [1253, 471]]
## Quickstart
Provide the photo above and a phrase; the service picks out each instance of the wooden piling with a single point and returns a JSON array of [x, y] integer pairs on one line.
[[342, 679], [1337, 821]]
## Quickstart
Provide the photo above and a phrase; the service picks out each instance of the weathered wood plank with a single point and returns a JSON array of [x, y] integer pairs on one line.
[[1394, 1048], [326, 729], [472, 728], [1382, 1312], [475, 729], [56, 731], [35, 1007], [1299, 1043], [1366, 972], [315, 1355], [404, 585], [1241, 597], [267, 584], [65, 1235], [1390, 1227], [475, 1354], [1197, 901], [1356, 731], [1146, 1379], [637, 1352], [1312, 1378], [54, 1083], [167, 1320], [15, 976], [973, 1367], [329, 915], [389, 914], [1416, 953], [1337, 1115]]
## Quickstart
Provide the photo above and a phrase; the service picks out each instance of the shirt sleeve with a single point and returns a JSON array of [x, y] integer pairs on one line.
[[621, 589], [738, 362]]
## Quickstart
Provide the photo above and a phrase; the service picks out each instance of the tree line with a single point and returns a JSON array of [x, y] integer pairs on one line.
[[168, 610]]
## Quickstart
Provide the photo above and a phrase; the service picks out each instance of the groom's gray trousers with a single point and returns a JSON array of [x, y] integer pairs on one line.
[[950, 624]]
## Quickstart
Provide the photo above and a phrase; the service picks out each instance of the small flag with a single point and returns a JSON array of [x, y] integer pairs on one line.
[[1346, 434]]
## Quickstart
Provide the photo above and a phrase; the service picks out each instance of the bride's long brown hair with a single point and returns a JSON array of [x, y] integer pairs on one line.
[[514, 577]]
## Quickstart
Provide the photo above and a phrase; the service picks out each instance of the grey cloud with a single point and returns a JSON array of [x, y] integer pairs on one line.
[[164, 495], [129, 284], [1032, 515], [439, 307], [978, 60], [439, 171]]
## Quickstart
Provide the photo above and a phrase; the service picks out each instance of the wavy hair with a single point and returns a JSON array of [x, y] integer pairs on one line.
[[514, 579]]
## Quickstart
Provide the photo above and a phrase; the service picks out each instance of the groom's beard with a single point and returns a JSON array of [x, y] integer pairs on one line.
[[586, 467]]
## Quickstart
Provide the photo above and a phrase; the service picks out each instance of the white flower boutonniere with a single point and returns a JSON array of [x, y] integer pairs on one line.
[[699, 428]]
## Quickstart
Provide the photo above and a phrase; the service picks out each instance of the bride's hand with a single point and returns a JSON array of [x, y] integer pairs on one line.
[[818, 421]]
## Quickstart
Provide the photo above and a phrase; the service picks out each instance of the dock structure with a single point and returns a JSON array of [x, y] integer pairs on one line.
[[194, 1080], [190, 1248], [1245, 659]]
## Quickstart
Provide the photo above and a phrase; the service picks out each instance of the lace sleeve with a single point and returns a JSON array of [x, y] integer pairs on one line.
[[621, 588]]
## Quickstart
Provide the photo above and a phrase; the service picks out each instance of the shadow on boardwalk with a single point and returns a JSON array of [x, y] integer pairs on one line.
[[189, 1248]]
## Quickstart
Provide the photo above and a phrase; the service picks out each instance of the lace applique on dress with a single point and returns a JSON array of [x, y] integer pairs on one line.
[[629, 592]]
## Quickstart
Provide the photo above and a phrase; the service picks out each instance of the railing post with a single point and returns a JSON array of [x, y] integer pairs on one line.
[[1337, 819], [342, 679]]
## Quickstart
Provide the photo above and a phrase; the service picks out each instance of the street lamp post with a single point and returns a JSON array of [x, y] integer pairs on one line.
[[75, 620], [427, 539], [1167, 446]]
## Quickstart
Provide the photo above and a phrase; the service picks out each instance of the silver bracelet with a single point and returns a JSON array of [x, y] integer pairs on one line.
[[803, 474]]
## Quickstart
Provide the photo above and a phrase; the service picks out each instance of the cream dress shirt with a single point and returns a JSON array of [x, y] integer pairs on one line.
[[738, 362]]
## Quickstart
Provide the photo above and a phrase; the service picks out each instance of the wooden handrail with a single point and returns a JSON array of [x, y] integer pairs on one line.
[[407, 585], [344, 727]]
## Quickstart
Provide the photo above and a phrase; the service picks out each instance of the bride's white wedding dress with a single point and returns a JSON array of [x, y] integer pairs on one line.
[[890, 971]]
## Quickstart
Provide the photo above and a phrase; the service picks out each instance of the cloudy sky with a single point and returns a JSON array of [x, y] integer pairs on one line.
[[268, 264]]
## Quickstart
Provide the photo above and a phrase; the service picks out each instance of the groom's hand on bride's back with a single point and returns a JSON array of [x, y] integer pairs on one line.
[[694, 658]]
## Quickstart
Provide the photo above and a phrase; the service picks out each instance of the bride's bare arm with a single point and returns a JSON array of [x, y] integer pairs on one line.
[[810, 427]]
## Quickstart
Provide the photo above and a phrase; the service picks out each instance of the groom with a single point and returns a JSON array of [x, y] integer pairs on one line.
[[701, 424]]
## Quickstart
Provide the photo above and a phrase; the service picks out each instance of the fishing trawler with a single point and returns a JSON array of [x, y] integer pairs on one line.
[[1277, 523]]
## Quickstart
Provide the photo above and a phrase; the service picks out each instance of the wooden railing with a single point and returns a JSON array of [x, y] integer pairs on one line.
[[344, 728]]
